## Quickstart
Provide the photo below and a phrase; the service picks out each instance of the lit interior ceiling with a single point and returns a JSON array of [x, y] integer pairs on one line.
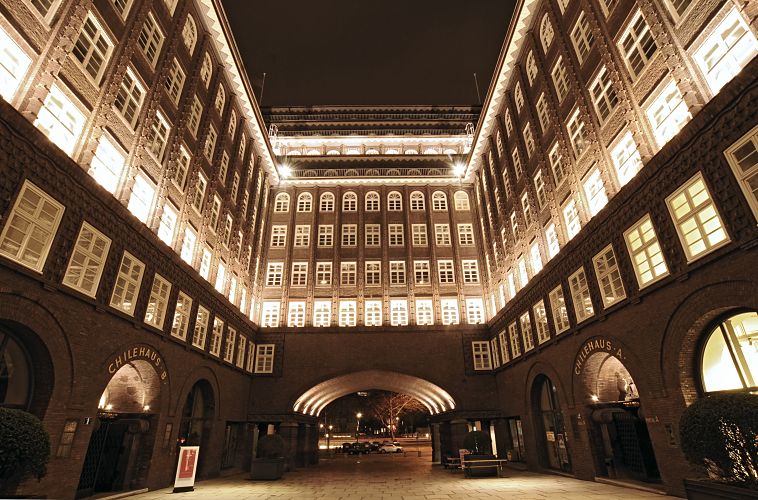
[[433, 397]]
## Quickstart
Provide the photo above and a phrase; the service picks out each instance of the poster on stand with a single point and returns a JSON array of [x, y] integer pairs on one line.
[[186, 469]]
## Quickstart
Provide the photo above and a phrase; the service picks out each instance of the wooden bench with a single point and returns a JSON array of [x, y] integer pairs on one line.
[[453, 463], [497, 463]]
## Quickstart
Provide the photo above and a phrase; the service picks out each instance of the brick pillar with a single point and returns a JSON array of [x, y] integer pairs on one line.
[[436, 444], [288, 431], [458, 431], [302, 445], [313, 451]]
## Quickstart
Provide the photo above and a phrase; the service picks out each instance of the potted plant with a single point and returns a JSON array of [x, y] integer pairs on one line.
[[479, 445], [718, 433], [269, 462], [24, 449]]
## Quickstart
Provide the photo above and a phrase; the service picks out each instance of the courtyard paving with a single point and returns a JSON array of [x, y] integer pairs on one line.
[[400, 477]]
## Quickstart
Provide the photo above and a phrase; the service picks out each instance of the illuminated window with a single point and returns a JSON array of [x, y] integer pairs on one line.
[[418, 235], [515, 344], [542, 112], [323, 273], [325, 235], [274, 274], [326, 202], [215, 213], [85, 267], [394, 202], [157, 302], [304, 202], [231, 337], [560, 80], [580, 294], [449, 311], [726, 51], [167, 226], [729, 359], [526, 332], [347, 313], [557, 164], [503, 347], [349, 235], [421, 272], [481, 352], [439, 201], [182, 167], [299, 274], [558, 308], [270, 314], [581, 37], [201, 327], [250, 363], [511, 283], [546, 33], [373, 273], [205, 263], [396, 235], [372, 201], [108, 164], [264, 358], [151, 39], [372, 313], [603, 94], [470, 270], [296, 315], [199, 192], [397, 273], [220, 100], [595, 191], [424, 312], [206, 70], [302, 236], [128, 282], [142, 197], [522, 272], [417, 201], [372, 235], [181, 316], [475, 311], [540, 322], [157, 137], [645, 252], [697, 221], [535, 257], [189, 34], [609, 276], [220, 283], [445, 271], [322, 313], [210, 143], [668, 112], [637, 44], [14, 63], [282, 203], [461, 201], [626, 158], [60, 120], [743, 158], [531, 67], [92, 48], [442, 234], [571, 218], [349, 202], [348, 274], [188, 245]]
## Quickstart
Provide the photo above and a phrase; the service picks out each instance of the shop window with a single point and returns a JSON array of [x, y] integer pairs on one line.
[[729, 359]]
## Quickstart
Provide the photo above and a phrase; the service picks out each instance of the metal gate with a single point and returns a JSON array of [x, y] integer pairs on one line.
[[91, 465], [637, 450]]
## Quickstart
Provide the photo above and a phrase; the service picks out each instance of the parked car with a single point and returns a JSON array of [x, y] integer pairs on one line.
[[359, 448], [374, 446], [390, 448], [346, 447]]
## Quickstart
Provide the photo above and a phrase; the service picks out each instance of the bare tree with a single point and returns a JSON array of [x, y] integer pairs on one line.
[[389, 408]]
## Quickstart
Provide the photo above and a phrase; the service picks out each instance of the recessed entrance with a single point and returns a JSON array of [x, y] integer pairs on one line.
[[121, 445], [552, 431]]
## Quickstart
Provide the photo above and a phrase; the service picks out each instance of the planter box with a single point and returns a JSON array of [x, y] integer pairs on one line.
[[711, 490], [266, 469]]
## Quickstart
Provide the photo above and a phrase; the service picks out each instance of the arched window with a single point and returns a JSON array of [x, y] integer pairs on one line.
[[439, 201], [729, 359], [332, 152], [326, 202], [305, 202], [546, 33], [15, 374], [372, 151], [531, 67], [293, 152], [417, 201], [372, 201], [189, 34], [394, 202], [461, 201], [206, 71], [349, 202], [411, 151], [431, 151], [282, 203], [391, 151]]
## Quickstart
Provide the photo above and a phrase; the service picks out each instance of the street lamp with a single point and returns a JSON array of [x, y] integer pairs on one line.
[[328, 435], [358, 425]]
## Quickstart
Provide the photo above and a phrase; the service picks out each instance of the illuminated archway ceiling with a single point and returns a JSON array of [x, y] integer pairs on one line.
[[433, 397]]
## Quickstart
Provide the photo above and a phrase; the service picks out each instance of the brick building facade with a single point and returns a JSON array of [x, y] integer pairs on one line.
[[566, 267]]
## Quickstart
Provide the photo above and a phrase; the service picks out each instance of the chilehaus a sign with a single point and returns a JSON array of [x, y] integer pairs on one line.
[[138, 352], [593, 345]]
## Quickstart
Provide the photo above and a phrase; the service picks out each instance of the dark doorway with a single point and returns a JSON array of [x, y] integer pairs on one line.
[[197, 421], [517, 450], [550, 422]]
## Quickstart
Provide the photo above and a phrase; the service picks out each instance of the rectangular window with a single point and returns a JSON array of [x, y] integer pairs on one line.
[[475, 311], [608, 276], [205, 263], [188, 245], [418, 233], [250, 363], [557, 165], [210, 144], [157, 137], [470, 271], [465, 234], [535, 258], [515, 344], [373, 235], [424, 312], [216, 335], [553, 246], [637, 45], [241, 343], [199, 193], [398, 312], [215, 212], [373, 273], [503, 347], [181, 316], [85, 267], [151, 39], [196, 111], [30, 227], [645, 252], [264, 358], [580, 295], [396, 235], [182, 168], [571, 218], [347, 313], [560, 79], [542, 112], [481, 353], [130, 97], [14, 64], [299, 275], [157, 302], [220, 283], [421, 272], [167, 227], [558, 307], [175, 81], [594, 189], [603, 94], [201, 327], [539, 189], [667, 113], [397, 273], [296, 315], [323, 273], [445, 272], [325, 235], [302, 236], [270, 314], [529, 140], [349, 235], [278, 236], [372, 313], [577, 133], [540, 321], [518, 97], [743, 158], [581, 37], [526, 332], [626, 158], [697, 221], [527, 209], [60, 120], [322, 313], [128, 282], [348, 274], [274, 274], [449, 309], [92, 48], [522, 272], [517, 164]]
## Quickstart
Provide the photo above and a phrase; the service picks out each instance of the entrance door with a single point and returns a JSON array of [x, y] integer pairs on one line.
[[633, 450], [518, 450], [554, 431]]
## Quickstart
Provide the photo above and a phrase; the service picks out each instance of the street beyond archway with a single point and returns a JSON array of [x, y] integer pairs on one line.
[[401, 477]]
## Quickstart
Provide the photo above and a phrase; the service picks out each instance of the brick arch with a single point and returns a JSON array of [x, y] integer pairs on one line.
[[682, 337], [543, 369], [207, 375]]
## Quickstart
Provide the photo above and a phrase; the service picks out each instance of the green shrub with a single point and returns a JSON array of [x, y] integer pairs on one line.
[[477, 442], [271, 446], [718, 432], [24, 448]]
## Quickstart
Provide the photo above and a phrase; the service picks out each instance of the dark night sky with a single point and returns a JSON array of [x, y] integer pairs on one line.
[[369, 52]]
